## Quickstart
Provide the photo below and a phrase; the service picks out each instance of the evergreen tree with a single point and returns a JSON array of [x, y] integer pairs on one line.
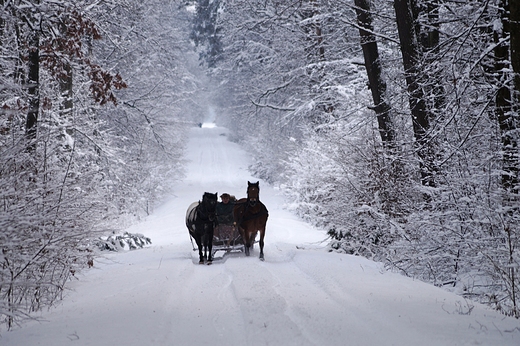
[[206, 33]]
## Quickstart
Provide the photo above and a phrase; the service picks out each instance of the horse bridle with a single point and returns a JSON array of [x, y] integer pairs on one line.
[[204, 213], [252, 216], [250, 202]]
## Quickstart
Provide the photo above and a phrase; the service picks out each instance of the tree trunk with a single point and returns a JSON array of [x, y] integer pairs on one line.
[[429, 38], [514, 32], [373, 66], [33, 89], [318, 32], [506, 116], [411, 52], [66, 91], [65, 80]]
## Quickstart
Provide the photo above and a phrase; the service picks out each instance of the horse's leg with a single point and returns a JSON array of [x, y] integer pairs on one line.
[[210, 244], [247, 242], [261, 242], [205, 245], [205, 241], [245, 237], [198, 240], [252, 239]]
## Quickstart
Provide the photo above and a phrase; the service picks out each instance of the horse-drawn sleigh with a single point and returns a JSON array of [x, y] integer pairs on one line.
[[249, 218]]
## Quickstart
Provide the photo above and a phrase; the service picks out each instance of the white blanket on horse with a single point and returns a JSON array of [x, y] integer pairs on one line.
[[191, 213]]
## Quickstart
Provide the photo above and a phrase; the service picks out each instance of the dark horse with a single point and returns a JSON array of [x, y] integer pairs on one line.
[[200, 220], [250, 217]]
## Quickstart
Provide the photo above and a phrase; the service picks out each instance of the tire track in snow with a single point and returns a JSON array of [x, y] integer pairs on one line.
[[196, 302], [263, 310], [375, 308], [314, 302], [310, 306], [231, 310]]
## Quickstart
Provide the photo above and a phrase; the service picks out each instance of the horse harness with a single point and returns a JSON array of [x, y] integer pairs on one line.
[[204, 214], [262, 211]]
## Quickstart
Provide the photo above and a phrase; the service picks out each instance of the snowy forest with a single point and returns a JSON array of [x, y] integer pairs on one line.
[[391, 124]]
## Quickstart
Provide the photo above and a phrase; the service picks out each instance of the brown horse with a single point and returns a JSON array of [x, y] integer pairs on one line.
[[250, 216]]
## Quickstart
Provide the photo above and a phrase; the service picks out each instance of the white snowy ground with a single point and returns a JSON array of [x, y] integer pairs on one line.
[[300, 295]]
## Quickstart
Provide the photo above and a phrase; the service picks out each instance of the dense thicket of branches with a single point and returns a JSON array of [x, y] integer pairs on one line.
[[392, 125], [91, 121], [441, 202]]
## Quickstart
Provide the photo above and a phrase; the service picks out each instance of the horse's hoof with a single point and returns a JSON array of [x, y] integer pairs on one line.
[[201, 261], [262, 257], [209, 262]]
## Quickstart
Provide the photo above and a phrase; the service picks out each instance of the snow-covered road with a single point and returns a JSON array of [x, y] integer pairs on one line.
[[300, 295]]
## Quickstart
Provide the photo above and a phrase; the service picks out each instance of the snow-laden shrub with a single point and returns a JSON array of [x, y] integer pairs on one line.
[[462, 235], [340, 184], [125, 241]]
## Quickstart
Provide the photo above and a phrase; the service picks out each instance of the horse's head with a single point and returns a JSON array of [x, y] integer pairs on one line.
[[253, 192], [209, 200]]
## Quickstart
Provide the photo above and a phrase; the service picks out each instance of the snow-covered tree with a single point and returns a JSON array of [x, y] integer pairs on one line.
[[434, 206], [91, 124], [206, 33]]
